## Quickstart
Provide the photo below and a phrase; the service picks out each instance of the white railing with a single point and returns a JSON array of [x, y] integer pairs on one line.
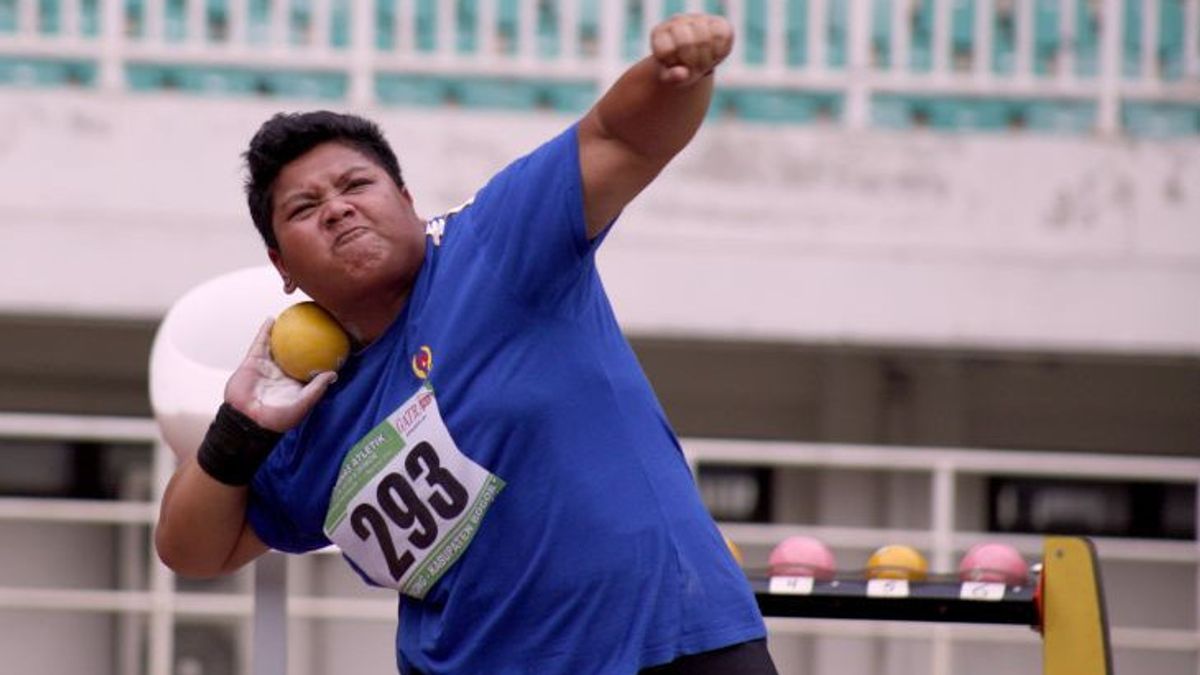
[[162, 602], [1073, 50]]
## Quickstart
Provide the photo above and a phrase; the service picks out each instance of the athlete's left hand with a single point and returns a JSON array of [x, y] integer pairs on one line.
[[688, 46]]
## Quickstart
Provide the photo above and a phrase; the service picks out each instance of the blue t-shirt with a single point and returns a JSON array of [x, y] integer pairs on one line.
[[596, 555]]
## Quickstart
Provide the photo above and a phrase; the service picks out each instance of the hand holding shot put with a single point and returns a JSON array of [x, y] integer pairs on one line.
[[291, 363], [491, 450]]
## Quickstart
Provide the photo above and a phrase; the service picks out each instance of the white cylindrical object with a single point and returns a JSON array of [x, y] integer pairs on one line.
[[200, 342]]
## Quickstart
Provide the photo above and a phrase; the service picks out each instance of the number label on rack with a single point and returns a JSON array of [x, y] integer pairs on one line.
[[791, 585], [887, 588], [981, 590]]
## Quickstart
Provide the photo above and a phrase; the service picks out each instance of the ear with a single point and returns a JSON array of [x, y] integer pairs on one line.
[[289, 286]]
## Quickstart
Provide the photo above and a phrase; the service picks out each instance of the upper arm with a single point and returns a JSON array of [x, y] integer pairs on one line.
[[612, 171]]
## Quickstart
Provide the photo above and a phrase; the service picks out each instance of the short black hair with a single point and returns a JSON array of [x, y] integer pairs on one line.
[[286, 136]]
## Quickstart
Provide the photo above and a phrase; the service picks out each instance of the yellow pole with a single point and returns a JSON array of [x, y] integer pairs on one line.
[[1074, 622]]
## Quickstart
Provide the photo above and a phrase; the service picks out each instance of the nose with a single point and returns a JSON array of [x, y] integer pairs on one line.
[[335, 209]]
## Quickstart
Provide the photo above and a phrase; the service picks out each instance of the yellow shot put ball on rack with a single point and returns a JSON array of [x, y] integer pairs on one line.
[[307, 340], [897, 561]]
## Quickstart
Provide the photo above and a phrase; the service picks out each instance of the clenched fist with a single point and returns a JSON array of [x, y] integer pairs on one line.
[[688, 46]]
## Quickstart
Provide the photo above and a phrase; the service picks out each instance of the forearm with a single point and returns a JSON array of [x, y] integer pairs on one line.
[[200, 523], [652, 117]]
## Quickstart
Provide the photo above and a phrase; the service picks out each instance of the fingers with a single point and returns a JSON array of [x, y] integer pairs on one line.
[[261, 347], [315, 389], [689, 46]]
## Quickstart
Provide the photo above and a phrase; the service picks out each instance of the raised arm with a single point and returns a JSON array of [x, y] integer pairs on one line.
[[649, 114], [202, 528]]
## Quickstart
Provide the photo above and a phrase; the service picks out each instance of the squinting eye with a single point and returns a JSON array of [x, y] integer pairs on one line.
[[357, 184], [301, 211]]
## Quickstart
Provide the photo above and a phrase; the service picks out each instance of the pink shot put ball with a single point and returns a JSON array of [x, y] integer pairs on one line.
[[993, 562], [801, 556]]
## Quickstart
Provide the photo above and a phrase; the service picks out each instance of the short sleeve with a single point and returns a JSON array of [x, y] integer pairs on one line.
[[529, 222]]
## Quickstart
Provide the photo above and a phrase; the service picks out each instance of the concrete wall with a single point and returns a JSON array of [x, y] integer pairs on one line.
[[116, 206]]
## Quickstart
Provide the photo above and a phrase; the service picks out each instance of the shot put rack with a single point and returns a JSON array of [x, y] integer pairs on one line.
[[1064, 603]]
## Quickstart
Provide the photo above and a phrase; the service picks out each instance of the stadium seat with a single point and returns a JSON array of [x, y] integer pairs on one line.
[[421, 90], [495, 93], [782, 106], [572, 97], [31, 72], [1171, 42], [305, 85], [881, 33], [49, 16], [1061, 117], [888, 111], [1087, 41], [962, 33], [796, 37], [8, 16], [753, 32], [1046, 41], [1160, 120]]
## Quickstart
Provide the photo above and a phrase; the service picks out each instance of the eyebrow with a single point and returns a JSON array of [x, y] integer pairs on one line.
[[307, 192]]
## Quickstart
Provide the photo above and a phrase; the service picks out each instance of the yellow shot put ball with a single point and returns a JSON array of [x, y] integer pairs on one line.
[[307, 340], [897, 562]]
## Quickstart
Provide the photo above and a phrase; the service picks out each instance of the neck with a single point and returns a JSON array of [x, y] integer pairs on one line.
[[369, 317]]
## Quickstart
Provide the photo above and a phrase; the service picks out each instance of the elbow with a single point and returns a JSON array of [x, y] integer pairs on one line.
[[182, 562]]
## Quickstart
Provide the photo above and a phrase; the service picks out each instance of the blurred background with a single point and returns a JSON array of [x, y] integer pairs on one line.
[[930, 275]]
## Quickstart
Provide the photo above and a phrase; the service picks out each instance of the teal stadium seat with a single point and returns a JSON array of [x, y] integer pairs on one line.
[[1131, 39], [963, 114], [962, 33], [631, 41], [8, 16], [888, 111], [232, 81], [39, 72], [339, 24], [1087, 38], [881, 33], [795, 14], [1004, 43], [304, 85], [782, 106], [1160, 120], [589, 27], [1046, 42], [507, 28], [921, 37], [216, 80], [971, 114], [426, 24], [754, 31], [418, 90], [1061, 117], [837, 33], [1171, 42], [495, 93], [569, 97]]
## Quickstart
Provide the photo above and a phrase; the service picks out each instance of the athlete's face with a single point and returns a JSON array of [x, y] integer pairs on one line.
[[344, 227]]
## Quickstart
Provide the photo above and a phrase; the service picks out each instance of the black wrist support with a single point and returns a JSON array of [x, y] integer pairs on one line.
[[234, 447]]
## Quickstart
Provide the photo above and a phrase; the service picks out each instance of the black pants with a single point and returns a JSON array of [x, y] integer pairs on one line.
[[746, 658]]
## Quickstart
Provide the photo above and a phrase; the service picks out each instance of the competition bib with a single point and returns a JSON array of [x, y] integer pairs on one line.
[[407, 501]]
